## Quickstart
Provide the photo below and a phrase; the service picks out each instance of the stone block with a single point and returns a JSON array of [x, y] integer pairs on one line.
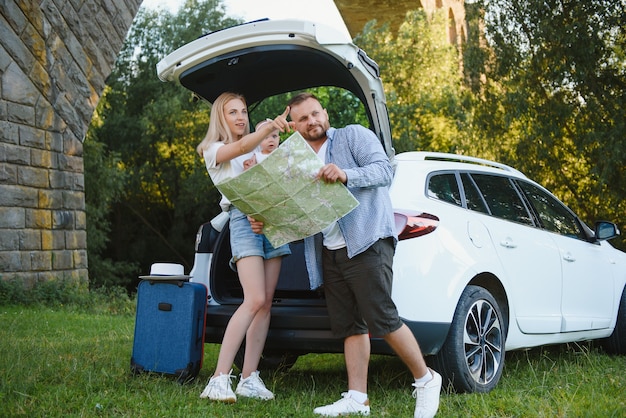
[[9, 132], [17, 87], [16, 154], [30, 239], [8, 172], [74, 200], [76, 240], [62, 260], [21, 114], [25, 197], [50, 199], [54, 141], [43, 158], [40, 260], [62, 219], [32, 176], [10, 261], [12, 218], [81, 219], [32, 137], [70, 163], [80, 259], [38, 218], [52, 240]]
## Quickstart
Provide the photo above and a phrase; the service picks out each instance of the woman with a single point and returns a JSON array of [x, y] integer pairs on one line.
[[227, 144]]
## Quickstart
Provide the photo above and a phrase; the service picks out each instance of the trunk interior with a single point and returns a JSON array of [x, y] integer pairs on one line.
[[293, 283]]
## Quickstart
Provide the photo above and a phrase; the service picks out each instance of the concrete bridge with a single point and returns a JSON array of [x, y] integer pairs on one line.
[[55, 56]]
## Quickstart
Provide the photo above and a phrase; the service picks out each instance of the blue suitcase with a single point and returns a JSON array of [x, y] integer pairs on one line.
[[169, 328]]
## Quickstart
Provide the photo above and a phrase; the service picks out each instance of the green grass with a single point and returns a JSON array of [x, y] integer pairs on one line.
[[60, 362]]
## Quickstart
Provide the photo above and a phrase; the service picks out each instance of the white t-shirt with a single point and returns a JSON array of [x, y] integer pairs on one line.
[[333, 238], [223, 171], [260, 156]]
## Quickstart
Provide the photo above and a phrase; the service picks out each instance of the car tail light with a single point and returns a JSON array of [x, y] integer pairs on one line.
[[412, 226]]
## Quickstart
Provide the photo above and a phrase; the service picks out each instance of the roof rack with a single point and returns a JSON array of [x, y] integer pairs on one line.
[[442, 156]]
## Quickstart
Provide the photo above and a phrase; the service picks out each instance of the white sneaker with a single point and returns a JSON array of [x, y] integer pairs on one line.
[[427, 396], [344, 406], [253, 387], [218, 389]]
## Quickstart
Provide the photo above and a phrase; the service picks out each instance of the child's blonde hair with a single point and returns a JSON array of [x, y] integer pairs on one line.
[[218, 127]]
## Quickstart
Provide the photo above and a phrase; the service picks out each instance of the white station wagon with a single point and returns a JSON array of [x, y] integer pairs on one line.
[[488, 260]]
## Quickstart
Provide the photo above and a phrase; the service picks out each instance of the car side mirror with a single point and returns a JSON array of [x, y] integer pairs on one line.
[[606, 230]]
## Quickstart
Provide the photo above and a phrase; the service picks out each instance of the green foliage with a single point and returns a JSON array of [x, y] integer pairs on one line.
[[67, 294], [542, 90], [422, 81], [147, 131], [104, 185], [557, 84]]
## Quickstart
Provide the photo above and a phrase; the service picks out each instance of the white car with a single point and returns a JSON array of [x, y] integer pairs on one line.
[[488, 260]]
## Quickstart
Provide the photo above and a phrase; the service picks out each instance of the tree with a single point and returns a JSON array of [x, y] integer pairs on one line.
[[151, 129], [559, 78], [422, 79]]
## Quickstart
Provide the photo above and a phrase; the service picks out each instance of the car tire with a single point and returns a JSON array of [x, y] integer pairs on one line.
[[270, 360], [616, 343], [472, 357]]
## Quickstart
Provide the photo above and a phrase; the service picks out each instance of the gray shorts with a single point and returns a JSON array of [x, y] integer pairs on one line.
[[358, 290]]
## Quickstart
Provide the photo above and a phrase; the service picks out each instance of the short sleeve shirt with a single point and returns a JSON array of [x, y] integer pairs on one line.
[[224, 170]]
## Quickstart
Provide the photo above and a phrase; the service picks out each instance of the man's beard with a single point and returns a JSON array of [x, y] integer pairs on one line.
[[319, 134]]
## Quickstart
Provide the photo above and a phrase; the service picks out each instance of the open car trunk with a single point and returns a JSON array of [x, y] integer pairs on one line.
[[293, 283]]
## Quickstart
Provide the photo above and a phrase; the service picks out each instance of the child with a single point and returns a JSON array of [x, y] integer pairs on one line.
[[269, 144]]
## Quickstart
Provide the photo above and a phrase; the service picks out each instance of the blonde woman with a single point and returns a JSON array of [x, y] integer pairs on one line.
[[227, 144]]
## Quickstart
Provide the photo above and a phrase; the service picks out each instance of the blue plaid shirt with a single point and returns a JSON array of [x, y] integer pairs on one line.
[[357, 151]]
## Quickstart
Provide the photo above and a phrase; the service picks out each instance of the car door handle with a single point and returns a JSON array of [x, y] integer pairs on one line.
[[508, 243], [568, 257]]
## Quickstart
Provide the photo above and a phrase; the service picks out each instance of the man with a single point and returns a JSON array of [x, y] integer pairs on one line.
[[355, 255]]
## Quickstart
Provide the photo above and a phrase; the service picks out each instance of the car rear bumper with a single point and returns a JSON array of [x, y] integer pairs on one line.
[[306, 329]]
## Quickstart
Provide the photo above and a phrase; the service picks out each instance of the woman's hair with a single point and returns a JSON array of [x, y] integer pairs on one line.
[[218, 127]]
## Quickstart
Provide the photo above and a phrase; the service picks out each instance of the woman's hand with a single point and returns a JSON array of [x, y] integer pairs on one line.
[[281, 123]]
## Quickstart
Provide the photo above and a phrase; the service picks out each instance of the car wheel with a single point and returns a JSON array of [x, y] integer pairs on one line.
[[616, 343], [270, 360], [472, 357]]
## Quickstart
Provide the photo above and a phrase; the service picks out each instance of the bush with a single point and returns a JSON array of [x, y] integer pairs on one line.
[[67, 293]]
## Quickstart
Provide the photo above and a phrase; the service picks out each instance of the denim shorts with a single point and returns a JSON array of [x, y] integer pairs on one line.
[[245, 243]]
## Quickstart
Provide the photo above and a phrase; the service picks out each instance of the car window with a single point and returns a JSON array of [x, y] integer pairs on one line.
[[553, 215], [502, 198], [473, 198], [445, 187]]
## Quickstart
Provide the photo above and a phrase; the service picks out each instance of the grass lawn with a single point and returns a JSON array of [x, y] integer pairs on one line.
[[64, 363]]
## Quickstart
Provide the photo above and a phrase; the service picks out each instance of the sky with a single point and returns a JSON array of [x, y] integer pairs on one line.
[[320, 11]]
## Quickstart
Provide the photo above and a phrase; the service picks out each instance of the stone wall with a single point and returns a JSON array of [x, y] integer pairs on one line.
[[54, 58]]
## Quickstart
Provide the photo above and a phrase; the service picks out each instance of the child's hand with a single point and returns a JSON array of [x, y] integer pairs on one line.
[[249, 162]]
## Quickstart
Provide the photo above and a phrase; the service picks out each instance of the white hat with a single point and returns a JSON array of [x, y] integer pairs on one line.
[[166, 271]]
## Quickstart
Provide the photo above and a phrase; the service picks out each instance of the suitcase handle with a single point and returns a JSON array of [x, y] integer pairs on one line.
[[164, 306]]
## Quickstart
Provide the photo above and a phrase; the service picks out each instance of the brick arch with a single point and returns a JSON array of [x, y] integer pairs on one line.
[[55, 56]]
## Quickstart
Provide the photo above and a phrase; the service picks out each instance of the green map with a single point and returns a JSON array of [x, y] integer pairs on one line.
[[284, 194]]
